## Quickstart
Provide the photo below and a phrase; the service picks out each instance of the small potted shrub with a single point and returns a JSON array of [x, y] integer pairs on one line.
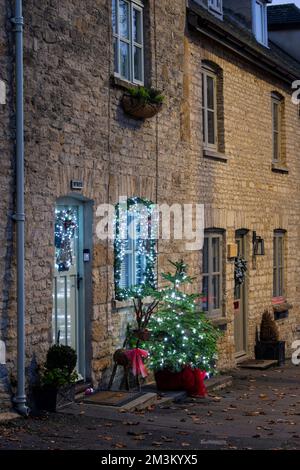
[[57, 374], [142, 103], [268, 345]]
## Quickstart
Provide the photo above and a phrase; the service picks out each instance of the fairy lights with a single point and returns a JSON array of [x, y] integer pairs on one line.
[[135, 230]]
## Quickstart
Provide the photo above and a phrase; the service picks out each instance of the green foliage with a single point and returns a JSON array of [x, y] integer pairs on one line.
[[147, 95], [59, 368], [180, 332], [61, 357], [58, 377]]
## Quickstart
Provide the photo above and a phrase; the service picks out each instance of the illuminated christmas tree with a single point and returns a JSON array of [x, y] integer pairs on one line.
[[181, 335]]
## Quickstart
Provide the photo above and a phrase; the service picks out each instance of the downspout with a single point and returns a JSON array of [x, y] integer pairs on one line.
[[20, 398]]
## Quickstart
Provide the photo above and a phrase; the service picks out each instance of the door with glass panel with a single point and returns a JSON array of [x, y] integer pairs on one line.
[[212, 289], [67, 318], [240, 305]]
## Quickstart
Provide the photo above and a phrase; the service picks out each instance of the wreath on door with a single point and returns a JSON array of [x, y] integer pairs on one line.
[[240, 270], [65, 230]]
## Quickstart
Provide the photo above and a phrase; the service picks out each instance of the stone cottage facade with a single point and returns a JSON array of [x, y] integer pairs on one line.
[[83, 151]]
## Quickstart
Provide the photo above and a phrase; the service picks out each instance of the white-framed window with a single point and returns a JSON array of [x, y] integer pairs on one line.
[[216, 5], [209, 108], [278, 263], [212, 287], [128, 38], [277, 110], [260, 21]]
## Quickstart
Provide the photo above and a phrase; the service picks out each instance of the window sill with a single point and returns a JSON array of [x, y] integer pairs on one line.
[[279, 168], [220, 322], [121, 83], [214, 155]]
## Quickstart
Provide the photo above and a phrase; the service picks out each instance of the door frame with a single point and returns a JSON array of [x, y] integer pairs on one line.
[[85, 293], [243, 234]]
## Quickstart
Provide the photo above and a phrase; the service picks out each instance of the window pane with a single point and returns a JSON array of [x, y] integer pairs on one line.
[[216, 254], [259, 18], [280, 251], [205, 256], [137, 57], [211, 127], [276, 146], [205, 294], [124, 60], [275, 282], [210, 93], [275, 116], [124, 19], [280, 281], [140, 269], [204, 124], [216, 292], [114, 16], [137, 26], [116, 55]]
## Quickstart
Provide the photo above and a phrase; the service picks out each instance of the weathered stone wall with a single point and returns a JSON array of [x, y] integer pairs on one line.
[[76, 129], [244, 192]]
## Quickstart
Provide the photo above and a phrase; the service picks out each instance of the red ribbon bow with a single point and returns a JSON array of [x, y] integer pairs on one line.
[[136, 358]]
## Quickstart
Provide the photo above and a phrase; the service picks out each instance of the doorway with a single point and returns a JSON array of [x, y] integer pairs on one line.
[[240, 302], [68, 317]]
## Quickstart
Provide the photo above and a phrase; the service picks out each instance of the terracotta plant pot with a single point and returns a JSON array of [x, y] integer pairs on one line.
[[138, 109], [169, 381]]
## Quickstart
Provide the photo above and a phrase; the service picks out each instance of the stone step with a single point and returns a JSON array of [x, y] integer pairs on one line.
[[212, 385], [141, 403]]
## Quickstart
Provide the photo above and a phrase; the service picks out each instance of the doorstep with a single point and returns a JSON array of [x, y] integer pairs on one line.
[[259, 364]]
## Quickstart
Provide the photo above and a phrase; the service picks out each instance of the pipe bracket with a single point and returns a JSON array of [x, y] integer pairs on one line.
[[19, 23], [18, 217]]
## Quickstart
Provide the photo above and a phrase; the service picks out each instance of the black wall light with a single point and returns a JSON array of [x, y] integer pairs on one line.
[[258, 245]]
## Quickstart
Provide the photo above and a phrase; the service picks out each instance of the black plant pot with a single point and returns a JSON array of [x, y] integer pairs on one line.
[[270, 350], [45, 398]]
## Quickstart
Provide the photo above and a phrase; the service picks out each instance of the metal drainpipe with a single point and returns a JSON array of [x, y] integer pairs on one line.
[[20, 399]]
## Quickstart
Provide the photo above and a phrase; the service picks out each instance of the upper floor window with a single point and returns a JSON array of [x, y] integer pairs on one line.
[[277, 118], [128, 37], [209, 108], [212, 273], [216, 5], [260, 23], [135, 246], [278, 263]]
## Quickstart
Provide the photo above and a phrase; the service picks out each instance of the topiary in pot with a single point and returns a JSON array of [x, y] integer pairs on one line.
[[61, 357], [268, 328]]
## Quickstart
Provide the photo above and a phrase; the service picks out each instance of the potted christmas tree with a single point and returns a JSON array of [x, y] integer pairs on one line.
[[183, 342], [268, 345]]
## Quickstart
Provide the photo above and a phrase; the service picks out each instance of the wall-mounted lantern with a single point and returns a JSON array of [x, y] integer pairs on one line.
[[258, 245]]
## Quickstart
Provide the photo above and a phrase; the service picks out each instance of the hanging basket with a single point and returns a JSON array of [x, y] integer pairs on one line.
[[138, 109]]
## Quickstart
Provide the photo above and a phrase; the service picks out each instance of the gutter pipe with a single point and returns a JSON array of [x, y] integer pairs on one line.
[[19, 217]]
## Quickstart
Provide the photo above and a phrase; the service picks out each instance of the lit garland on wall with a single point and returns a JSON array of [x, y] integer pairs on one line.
[[145, 245], [65, 230]]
